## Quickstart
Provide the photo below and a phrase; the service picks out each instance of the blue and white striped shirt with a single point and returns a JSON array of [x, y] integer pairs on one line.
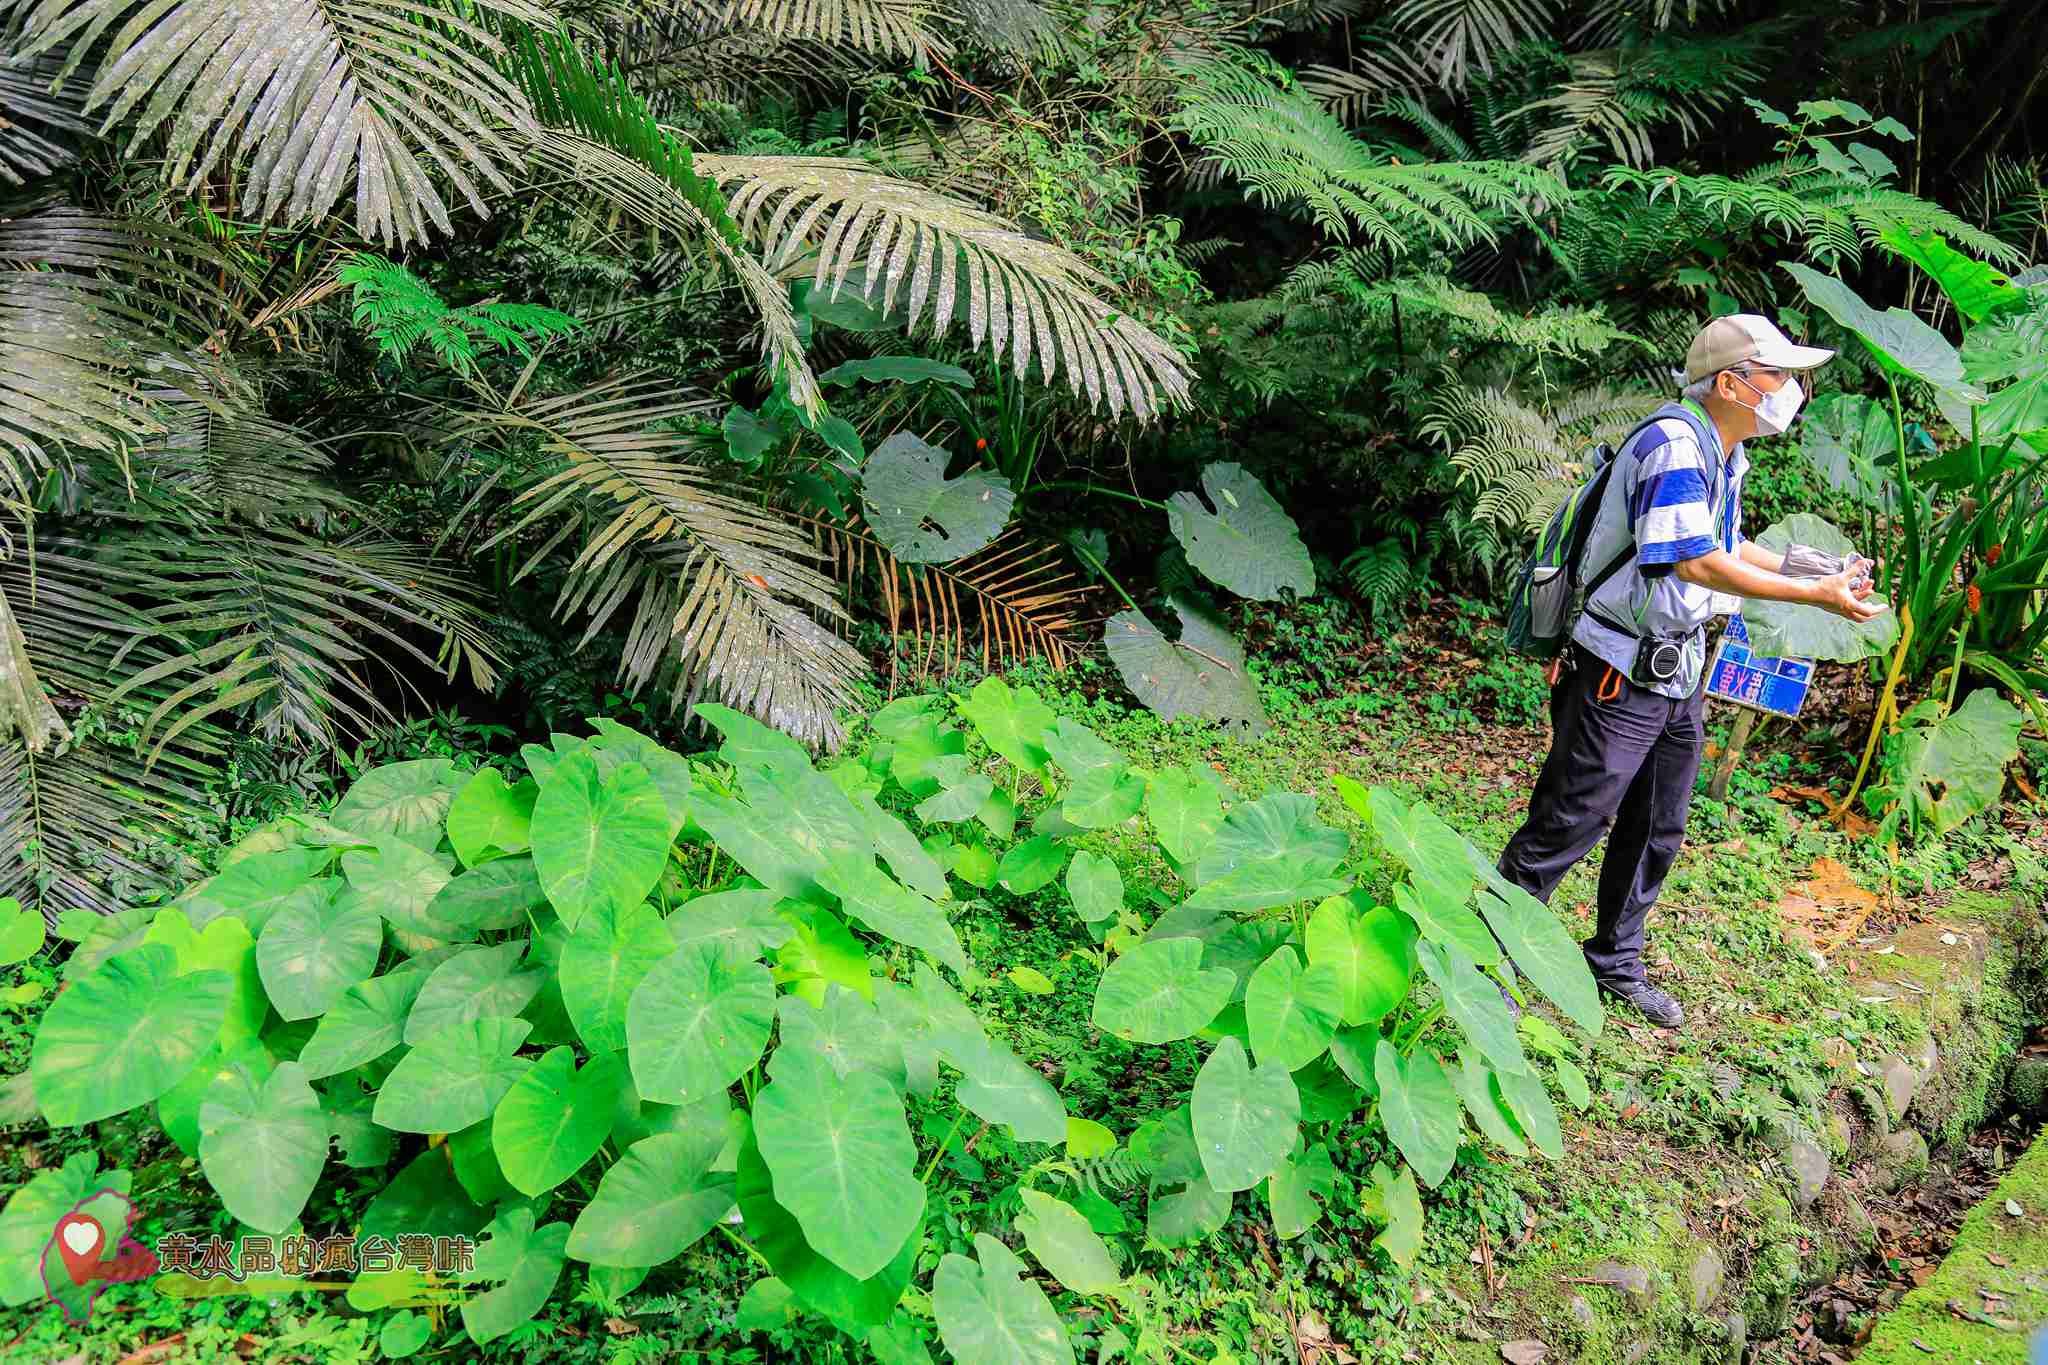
[[1673, 505]]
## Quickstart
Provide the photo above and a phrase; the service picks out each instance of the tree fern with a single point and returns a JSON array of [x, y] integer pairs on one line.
[[402, 312], [1382, 574], [1521, 457], [1288, 151], [1617, 98]]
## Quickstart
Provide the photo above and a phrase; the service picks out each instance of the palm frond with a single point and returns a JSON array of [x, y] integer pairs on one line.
[[305, 100], [82, 820], [39, 124], [25, 708], [1014, 599], [86, 304], [941, 257], [1455, 36], [1289, 151], [896, 27], [229, 460], [293, 628], [717, 594], [1377, 69]]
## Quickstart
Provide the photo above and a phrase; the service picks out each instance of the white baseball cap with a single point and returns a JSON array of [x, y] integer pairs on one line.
[[1747, 338]]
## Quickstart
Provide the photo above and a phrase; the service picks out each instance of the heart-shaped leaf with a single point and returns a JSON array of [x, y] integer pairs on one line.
[[123, 1034], [1011, 722], [1474, 1000], [1543, 950], [364, 1024], [604, 960], [21, 932], [920, 514], [1792, 630], [873, 897], [744, 917], [1395, 1201], [1032, 864], [554, 1118], [1292, 1012], [1370, 953], [1534, 1113], [1900, 341], [475, 983], [654, 1202], [1094, 886], [999, 1087], [224, 945], [409, 800], [1070, 1250], [317, 947], [522, 1263], [992, 1313], [252, 889], [453, 1078], [1420, 1108], [1440, 918], [842, 1160], [697, 1021], [1473, 1080], [1247, 543], [1158, 992], [489, 819], [262, 1144], [33, 1210], [598, 841], [400, 881], [1245, 1118], [1200, 673], [1296, 1186], [502, 894]]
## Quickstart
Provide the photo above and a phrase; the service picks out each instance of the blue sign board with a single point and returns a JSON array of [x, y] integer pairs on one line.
[[1775, 685]]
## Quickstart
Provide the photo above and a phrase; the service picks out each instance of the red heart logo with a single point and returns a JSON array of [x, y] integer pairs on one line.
[[80, 1241]]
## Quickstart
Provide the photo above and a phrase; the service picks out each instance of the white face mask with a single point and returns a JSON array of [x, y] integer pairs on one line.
[[1774, 413]]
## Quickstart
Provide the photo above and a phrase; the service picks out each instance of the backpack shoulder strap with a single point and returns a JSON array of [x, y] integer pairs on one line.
[[1703, 431]]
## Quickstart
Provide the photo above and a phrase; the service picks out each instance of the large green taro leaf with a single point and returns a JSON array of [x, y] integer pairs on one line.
[[1954, 768], [1245, 1118], [839, 1151], [123, 1034], [1201, 673], [1094, 886], [1292, 1011], [1185, 806], [993, 1313], [408, 799], [1845, 436], [424, 1197], [224, 945], [1443, 919], [364, 1024], [504, 893], [454, 1078], [262, 1143], [669, 769], [607, 956], [401, 880], [1415, 836], [743, 917], [177, 1109], [1001, 1088], [1901, 342], [913, 865], [490, 819], [1070, 1250], [598, 841], [253, 888], [554, 1118], [1159, 992], [1181, 1207], [1268, 852], [923, 516], [2010, 352], [1295, 1186], [1371, 954], [1247, 543], [1780, 630], [1481, 1097], [1531, 1106], [876, 899], [1394, 1201], [317, 947], [521, 1263], [655, 1201], [1473, 999], [697, 1021], [847, 1031], [856, 1306], [1543, 950], [1011, 722], [475, 983], [1420, 1108], [32, 1212], [1032, 864], [1977, 290]]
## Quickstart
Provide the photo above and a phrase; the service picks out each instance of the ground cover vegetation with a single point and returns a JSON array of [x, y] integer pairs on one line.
[[592, 597]]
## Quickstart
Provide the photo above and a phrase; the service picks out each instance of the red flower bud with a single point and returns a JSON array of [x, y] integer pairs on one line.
[[1976, 599], [1991, 555], [981, 443]]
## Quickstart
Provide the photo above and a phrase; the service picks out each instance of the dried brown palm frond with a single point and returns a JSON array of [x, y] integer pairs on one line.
[[306, 101], [86, 305], [939, 257], [292, 629], [1016, 598], [719, 595], [39, 124], [80, 815]]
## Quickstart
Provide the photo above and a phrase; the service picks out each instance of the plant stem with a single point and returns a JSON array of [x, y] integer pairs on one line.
[[1087, 486], [1955, 668], [1103, 569], [1909, 501], [744, 1245], [1884, 704], [959, 1115], [1420, 1026]]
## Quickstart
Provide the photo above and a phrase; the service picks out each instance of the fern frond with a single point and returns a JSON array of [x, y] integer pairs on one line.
[[401, 312], [941, 258], [1620, 96], [1289, 151], [1520, 458], [1382, 573]]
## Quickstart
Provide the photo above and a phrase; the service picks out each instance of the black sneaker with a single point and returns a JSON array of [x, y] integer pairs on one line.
[[1654, 1005]]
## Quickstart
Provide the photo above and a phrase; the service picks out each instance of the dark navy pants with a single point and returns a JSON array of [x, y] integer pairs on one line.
[[1621, 759]]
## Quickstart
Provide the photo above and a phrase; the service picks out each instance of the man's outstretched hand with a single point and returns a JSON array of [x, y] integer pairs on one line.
[[1848, 593]]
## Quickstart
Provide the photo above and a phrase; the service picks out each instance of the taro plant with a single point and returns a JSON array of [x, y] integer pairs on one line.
[[631, 1001]]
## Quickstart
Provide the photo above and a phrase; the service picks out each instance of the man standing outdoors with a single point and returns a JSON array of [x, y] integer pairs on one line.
[[1626, 697]]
